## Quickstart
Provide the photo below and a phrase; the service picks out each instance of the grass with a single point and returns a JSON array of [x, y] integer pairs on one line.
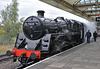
[[4, 48]]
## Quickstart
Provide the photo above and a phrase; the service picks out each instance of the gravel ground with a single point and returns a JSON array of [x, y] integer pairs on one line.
[[9, 65]]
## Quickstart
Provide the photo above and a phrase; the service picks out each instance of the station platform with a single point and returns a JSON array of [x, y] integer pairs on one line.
[[84, 56]]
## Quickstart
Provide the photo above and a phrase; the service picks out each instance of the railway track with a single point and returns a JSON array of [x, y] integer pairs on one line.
[[22, 66], [4, 57]]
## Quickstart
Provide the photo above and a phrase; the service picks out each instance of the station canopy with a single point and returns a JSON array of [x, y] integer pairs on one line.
[[88, 9]]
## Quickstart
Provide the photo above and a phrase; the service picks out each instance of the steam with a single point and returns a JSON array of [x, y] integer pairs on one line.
[[88, 25]]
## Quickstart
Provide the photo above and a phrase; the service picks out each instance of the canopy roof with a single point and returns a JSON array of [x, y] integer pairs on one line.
[[87, 9]]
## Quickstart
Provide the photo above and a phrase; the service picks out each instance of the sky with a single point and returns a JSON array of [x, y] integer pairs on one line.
[[29, 7]]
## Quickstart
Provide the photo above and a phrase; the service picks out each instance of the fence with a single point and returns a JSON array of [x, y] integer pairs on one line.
[[5, 40]]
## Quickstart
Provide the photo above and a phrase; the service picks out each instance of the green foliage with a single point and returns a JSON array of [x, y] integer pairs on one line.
[[11, 25], [1, 30], [6, 40], [10, 19]]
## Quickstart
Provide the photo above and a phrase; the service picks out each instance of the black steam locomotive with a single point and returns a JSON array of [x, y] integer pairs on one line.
[[42, 36]]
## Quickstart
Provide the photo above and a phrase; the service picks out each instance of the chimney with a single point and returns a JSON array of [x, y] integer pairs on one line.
[[41, 13]]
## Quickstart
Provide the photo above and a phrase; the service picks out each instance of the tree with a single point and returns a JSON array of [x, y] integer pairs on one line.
[[10, 19], [1, 30]]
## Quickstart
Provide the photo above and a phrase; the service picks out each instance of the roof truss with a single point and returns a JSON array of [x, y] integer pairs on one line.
[[76, 7], [91, 11], [88, 4]]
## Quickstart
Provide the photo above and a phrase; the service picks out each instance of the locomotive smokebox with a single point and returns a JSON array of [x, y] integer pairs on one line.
[[41, 13]]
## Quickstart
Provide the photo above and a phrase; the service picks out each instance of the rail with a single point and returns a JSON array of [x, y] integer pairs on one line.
[[4, 57]]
